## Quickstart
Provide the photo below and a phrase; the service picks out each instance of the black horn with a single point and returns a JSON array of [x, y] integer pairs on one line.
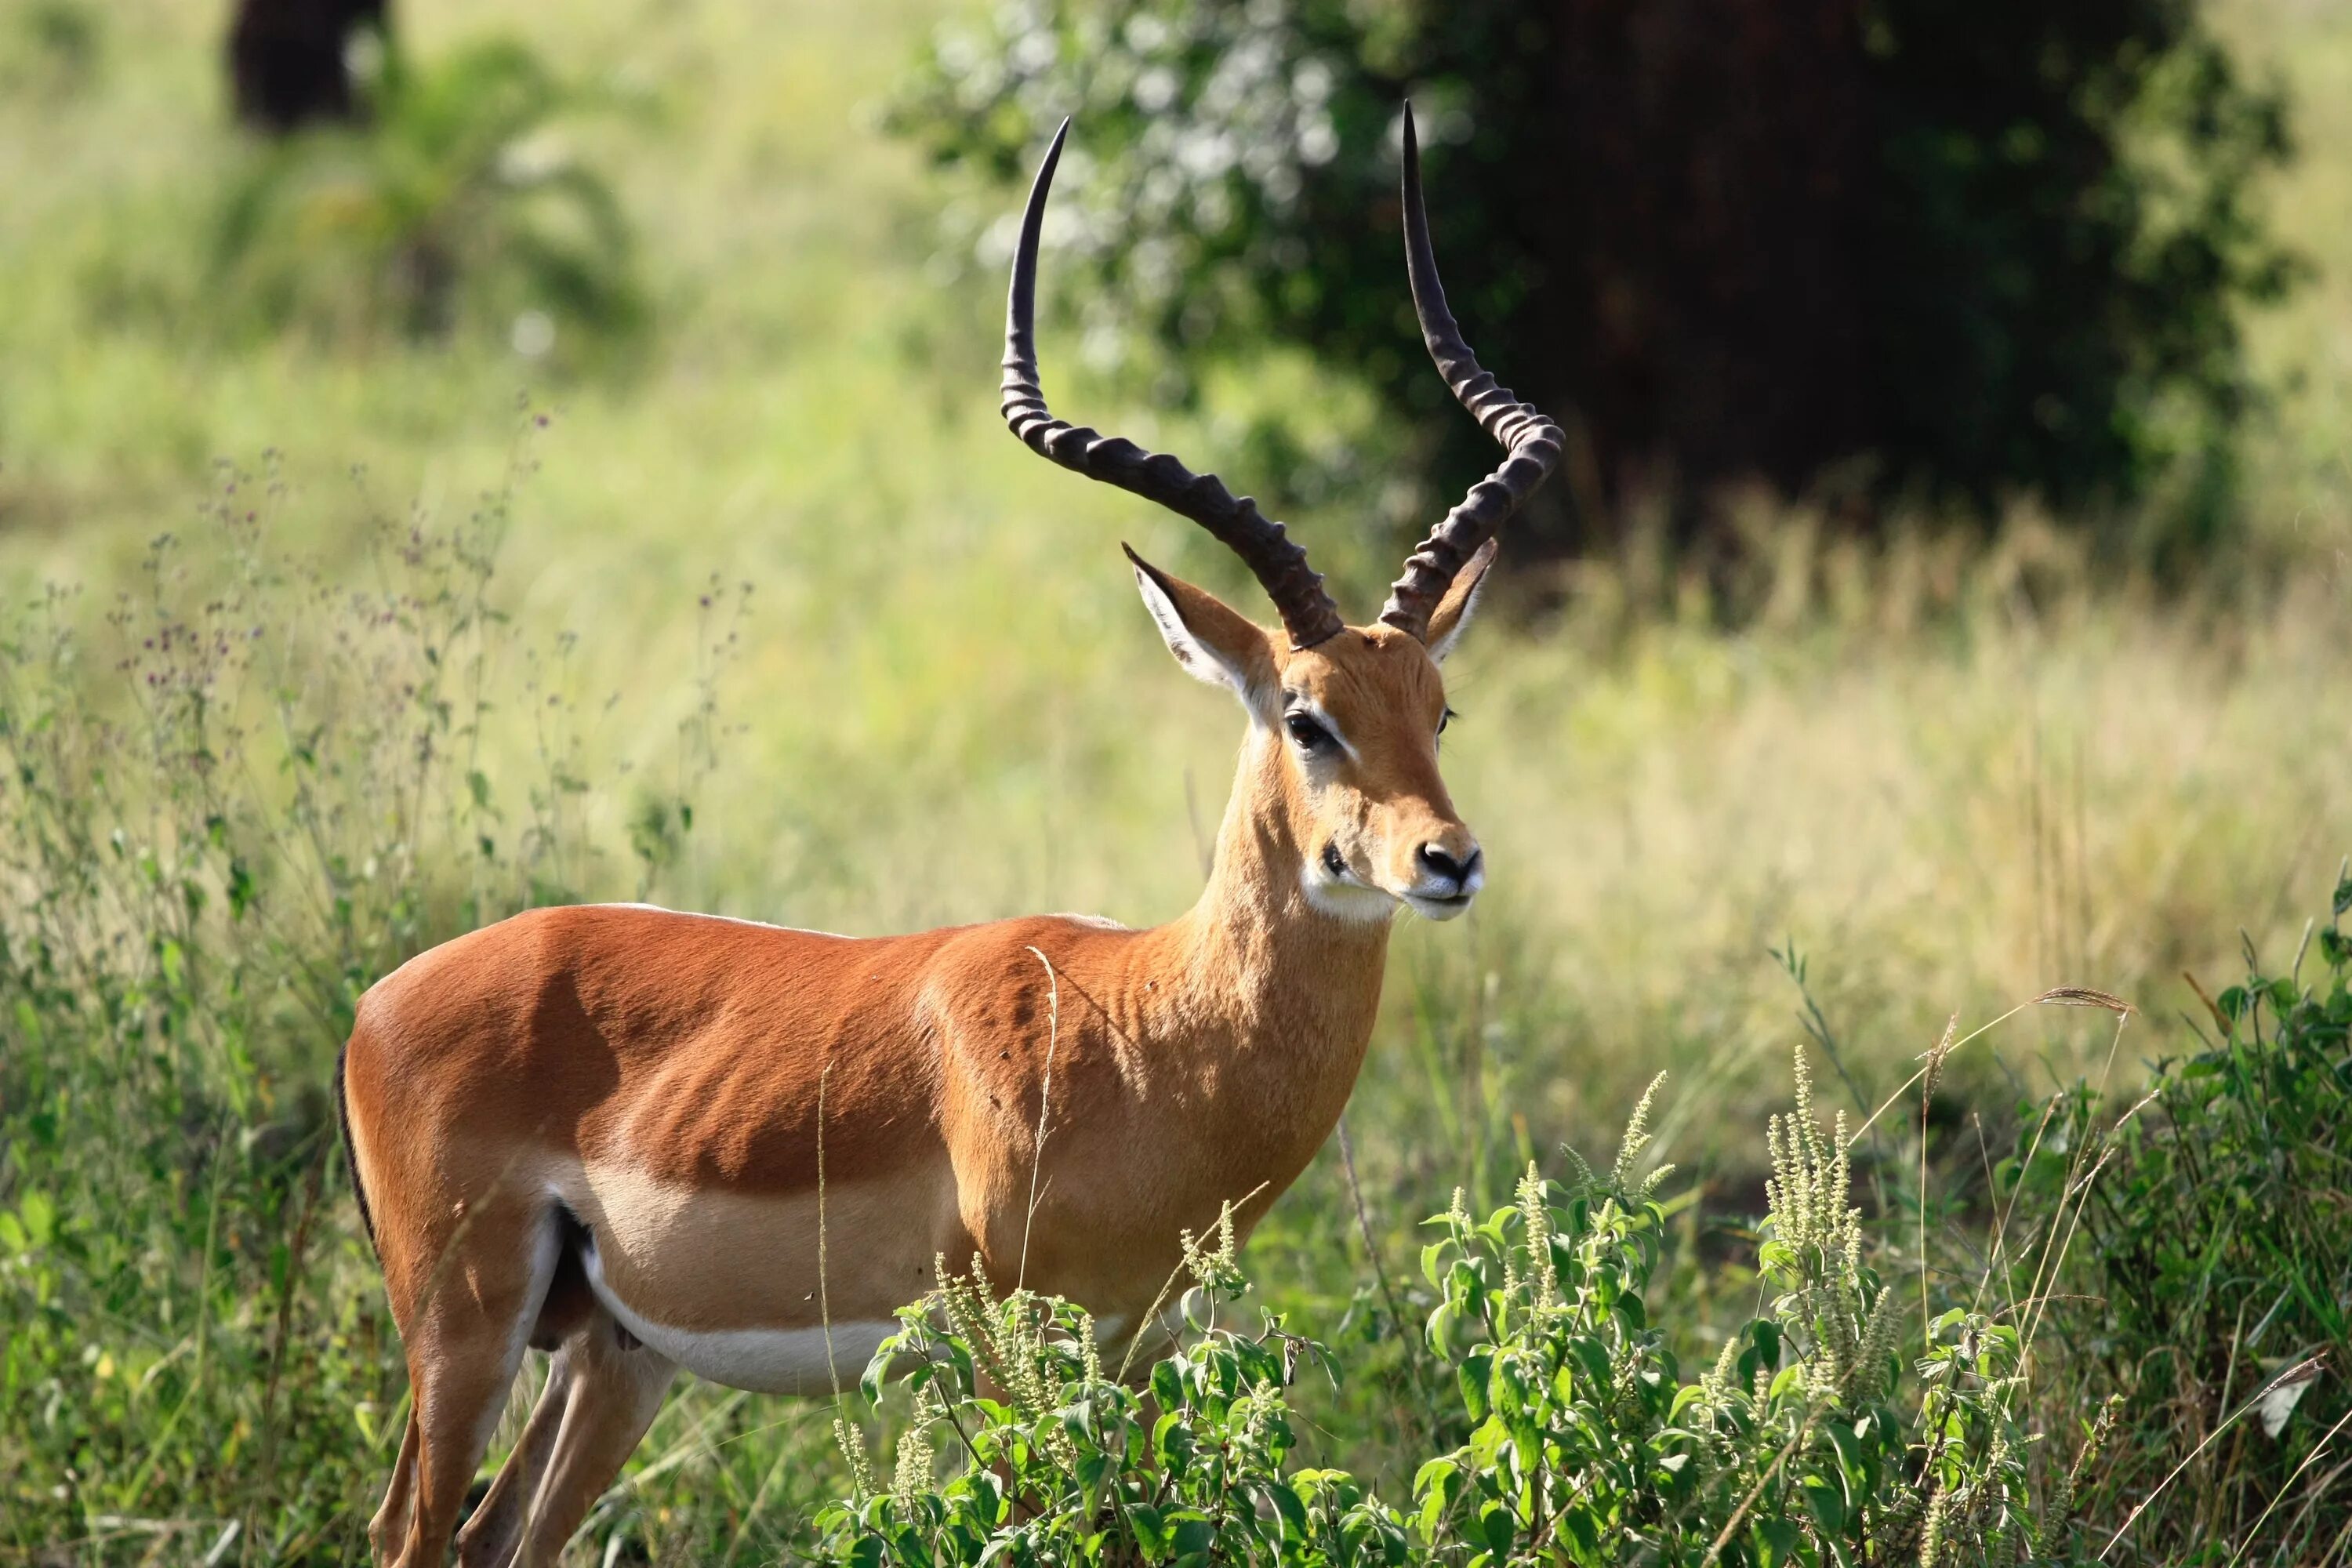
[[1280, 564], [1532, 441]]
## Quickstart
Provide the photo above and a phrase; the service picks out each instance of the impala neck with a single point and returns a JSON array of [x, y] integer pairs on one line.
[[1294, 980]]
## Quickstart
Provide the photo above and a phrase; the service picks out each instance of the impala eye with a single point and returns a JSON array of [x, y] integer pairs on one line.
[[1444, 719], [1310, 735]]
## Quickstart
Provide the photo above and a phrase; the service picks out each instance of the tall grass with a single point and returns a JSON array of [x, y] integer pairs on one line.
[[233, 802]]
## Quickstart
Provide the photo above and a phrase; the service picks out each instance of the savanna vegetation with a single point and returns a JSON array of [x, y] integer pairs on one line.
[[582, 480]]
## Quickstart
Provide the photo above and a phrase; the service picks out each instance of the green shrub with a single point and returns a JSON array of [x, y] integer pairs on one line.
[[1064, 1463], [1805, 1443], [2213, 1272]]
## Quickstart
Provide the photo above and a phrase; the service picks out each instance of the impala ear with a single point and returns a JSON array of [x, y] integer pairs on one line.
[[1213, 643], [1460, 603]]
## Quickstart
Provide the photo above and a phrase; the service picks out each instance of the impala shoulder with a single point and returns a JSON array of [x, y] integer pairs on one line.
[[1004, 958]]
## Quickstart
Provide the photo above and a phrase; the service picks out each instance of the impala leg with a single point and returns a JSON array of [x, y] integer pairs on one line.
[[613, 1396], [389, 1528], [490, 1535], [466, 1338]]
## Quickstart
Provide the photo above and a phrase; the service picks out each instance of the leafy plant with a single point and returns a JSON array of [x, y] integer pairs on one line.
[[2214, 1272], [1805, 1442], [1064, 1464]]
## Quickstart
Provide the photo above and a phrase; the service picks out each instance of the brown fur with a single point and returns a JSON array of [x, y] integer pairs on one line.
[[643, 1089]]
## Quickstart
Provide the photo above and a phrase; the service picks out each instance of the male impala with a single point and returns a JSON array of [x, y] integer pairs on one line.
[[598, 1130]]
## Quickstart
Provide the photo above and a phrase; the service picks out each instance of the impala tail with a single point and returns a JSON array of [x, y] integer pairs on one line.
[[350, 1154]]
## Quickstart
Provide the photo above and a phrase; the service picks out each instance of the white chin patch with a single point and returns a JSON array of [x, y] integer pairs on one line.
[[1346, 901]]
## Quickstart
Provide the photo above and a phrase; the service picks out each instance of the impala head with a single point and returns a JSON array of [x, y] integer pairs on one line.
[[1346, 719]]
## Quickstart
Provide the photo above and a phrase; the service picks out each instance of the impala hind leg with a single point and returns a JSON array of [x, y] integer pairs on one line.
[[567, 1309], [389, 1528], [613, 1388], [490, 1534], [465, 1324]]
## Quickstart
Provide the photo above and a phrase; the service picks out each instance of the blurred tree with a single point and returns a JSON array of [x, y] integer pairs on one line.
[[289, 60], [1863, 249], [460, 207]]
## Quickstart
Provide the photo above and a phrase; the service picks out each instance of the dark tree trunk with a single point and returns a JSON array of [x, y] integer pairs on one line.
[[1711, 304], [288, 59]]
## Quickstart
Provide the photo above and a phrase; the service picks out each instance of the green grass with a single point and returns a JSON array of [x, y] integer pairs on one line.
[[1950, 776]]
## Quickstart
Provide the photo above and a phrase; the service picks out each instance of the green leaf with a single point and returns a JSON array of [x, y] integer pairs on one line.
[[1286, 1503], [1826, 1499], [40, 1218], [1851, 1458], [1777, 1541], [1579, 1522], [1509, 1387], [1593, 1356], [1194, 1537], [1432, 1514], [1167, 1387], [908, 1541], [1499, 1527], [1472, 1374], [1172, 1442], [1441, 1328], [1151, 1532]]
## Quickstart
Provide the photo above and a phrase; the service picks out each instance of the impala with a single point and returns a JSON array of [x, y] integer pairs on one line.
[[599, 1131]]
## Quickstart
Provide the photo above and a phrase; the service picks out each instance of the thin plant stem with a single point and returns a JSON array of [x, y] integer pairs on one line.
[[2300, 1370], [2309, 1459], [1045, 1108]]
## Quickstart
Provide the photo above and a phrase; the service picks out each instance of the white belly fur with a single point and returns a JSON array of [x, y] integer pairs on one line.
[[748, 1266], [765, 1360]]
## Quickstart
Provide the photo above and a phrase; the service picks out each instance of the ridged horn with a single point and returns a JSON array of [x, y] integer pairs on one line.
[[1278, 561], [1532, 441]]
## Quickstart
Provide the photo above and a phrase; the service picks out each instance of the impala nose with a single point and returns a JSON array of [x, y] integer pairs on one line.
[[1458, 872]]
